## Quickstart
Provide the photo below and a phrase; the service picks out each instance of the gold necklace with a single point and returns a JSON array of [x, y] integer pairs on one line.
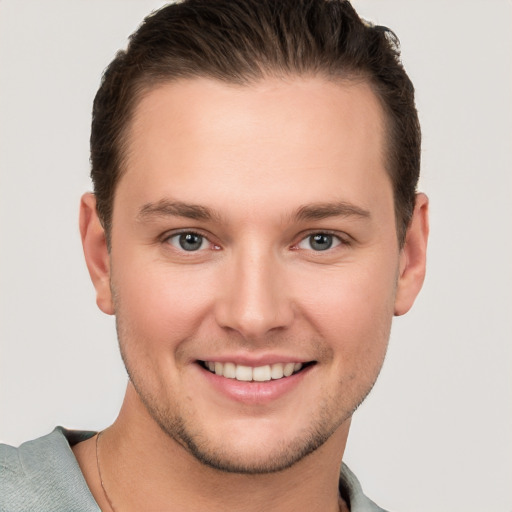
[[99, 471], [341, 504]]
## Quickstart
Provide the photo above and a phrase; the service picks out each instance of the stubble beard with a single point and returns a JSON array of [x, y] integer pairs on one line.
[[198, 444], [219, 458], [174, 423]]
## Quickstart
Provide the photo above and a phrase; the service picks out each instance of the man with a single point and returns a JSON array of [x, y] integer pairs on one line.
[[254, 227]]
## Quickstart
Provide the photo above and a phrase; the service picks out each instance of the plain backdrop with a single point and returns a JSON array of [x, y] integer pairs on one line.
[[435, 435]]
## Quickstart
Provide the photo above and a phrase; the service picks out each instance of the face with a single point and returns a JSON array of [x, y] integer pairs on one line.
[[254, 264]]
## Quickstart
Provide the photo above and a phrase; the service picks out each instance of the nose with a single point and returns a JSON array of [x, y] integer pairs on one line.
[[254, 299]]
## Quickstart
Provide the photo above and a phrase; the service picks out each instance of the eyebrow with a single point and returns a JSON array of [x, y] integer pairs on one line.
[[166, 208], [315, 211], [319, 211]]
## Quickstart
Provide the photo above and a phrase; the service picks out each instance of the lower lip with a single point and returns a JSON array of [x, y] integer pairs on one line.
[[255, 392]]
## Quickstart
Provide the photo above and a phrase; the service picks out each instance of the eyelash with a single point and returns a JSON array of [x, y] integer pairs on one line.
[[176, 235], [337, 238], [341, 240]]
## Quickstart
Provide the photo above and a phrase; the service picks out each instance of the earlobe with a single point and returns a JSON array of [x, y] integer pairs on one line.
[[96, 252], [413, 258]]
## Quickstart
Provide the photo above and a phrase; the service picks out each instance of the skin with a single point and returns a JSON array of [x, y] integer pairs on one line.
[[272, 163]]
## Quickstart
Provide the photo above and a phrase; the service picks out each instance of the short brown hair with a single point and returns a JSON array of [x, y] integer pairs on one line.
[[242, 41]]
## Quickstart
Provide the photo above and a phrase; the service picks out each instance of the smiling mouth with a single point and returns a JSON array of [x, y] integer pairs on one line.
[[264, 373]]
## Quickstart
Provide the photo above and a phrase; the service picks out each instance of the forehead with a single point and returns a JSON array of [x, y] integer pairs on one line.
[[256, 143]]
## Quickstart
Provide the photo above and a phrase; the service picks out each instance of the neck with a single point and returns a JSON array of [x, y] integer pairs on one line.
[[143, 468]]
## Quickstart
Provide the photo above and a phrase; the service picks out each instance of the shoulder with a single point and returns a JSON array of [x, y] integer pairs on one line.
[[352, 492], [44, 475]]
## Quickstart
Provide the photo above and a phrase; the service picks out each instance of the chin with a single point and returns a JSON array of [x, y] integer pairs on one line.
[[250, 457], [261, 448]]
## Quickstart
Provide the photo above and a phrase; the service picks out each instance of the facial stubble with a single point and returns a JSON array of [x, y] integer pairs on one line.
[[176, 424]]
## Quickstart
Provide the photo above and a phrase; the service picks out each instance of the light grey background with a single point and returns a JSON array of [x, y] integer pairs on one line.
[[436, 432]]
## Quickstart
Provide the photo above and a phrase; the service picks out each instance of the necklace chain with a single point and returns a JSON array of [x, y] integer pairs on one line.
[[341, 506], [99, 471]]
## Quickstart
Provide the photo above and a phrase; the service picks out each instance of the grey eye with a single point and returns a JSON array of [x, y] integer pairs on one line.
[[188, 241], [319, 242]]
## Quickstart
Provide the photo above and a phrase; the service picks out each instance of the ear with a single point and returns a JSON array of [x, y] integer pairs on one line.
[[94, 243], [413, 258]]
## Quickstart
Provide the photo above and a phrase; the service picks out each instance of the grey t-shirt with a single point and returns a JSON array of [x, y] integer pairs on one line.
[[43, 475]]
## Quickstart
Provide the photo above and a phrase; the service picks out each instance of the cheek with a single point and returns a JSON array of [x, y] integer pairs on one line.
[[159, 304], [353, 308]]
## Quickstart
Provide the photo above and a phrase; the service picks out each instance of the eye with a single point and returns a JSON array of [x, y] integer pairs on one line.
[[188, 241], [319, 242]]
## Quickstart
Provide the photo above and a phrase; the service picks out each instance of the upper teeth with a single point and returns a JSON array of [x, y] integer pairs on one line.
[[249, 373]]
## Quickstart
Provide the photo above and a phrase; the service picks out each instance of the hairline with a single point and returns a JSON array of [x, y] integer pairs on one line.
[[146, 84]]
